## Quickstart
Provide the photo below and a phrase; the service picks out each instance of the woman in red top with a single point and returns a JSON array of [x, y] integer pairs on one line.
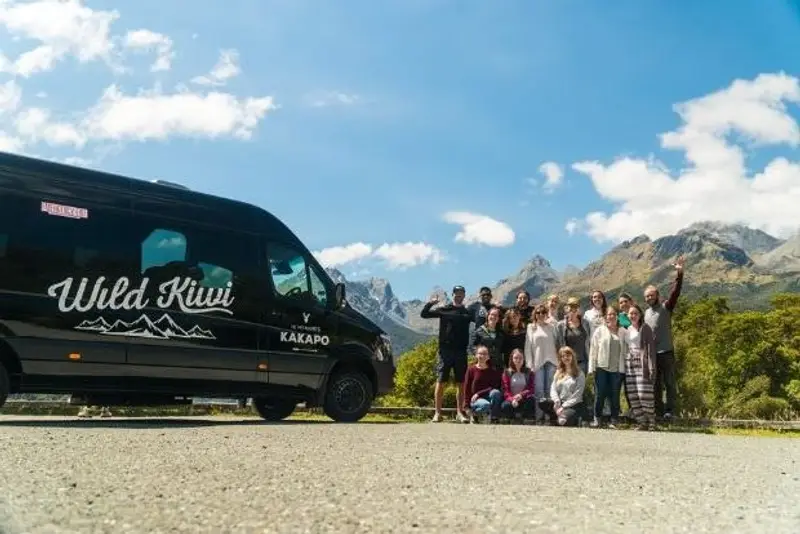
[[518, 383], [482, 387]]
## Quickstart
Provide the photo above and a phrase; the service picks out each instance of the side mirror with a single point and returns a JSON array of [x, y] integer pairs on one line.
[[340, 295]]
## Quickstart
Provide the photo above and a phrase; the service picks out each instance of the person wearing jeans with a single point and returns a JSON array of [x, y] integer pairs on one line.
[[658, 317], [607, 352], [482, 387], [540, 354]]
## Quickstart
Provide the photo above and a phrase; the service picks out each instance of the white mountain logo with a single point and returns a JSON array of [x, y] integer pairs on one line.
[[164, 328]]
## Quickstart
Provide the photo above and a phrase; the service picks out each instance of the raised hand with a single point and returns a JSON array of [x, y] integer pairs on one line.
[[679, 263]]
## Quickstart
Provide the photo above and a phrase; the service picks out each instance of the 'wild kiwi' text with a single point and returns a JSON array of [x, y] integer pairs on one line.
[[185, 293]]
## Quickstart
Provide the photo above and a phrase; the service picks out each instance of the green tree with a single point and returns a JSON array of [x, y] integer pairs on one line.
[[415, 377], [740, 364]]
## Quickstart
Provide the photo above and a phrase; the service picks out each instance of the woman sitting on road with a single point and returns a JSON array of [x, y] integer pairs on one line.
[[518, 390], [607, 352], [640, 369], [565, 405], [490, 336], [482, 385]]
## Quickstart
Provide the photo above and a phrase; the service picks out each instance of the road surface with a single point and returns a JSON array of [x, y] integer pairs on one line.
[[221, 475]]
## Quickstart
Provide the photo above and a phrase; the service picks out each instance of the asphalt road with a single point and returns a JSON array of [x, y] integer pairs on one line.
[[221, 475]]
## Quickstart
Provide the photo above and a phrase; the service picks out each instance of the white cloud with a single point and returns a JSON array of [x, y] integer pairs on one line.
[[34, 125], [11, 144], [336, 256], [60, 28], [154, 115], [553, 175], [227, 67], [405, 255], [54, 30], [149, 40], [572, 226], [479, 229], [395, 255], [716, 130], [10, 97], [333, 98]]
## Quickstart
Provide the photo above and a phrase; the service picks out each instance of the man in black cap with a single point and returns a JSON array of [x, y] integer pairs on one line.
[[454, 321]]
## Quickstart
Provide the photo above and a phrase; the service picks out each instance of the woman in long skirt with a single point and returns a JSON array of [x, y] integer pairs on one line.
[[640, 370]]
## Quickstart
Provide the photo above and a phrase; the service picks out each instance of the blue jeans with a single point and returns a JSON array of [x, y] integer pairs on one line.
[[543, 379], [607, 385], [491, 405]]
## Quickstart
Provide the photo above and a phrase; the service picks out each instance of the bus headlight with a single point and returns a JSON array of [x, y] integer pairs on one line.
[[384, 351]]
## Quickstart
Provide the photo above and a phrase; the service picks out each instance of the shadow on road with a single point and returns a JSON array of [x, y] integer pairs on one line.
[[168, 423]]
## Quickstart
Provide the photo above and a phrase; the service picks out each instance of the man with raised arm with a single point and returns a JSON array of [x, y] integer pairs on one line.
[[454, 322], [659, 317]]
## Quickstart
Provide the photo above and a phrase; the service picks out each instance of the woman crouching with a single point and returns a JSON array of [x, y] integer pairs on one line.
[[518, 381], [482, 385], [565, 405]]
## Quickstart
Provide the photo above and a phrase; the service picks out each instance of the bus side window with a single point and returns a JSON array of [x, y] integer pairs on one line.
[[318, 288], [288, 271], [215, 276], [162, 247]]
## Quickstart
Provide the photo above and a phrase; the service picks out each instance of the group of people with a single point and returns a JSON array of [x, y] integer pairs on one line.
[[532, 362]]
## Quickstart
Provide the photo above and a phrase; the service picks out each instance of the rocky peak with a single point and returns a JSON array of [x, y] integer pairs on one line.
[[750, 240], [535, 276], [784, 258], [539, 261], [381, 290], [336, 275], [698, 245]]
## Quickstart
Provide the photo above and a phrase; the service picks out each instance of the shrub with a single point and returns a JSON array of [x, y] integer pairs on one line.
[[415, 378]]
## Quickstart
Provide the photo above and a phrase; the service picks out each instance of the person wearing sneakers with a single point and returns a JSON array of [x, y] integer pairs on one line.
[[454, 323], [86, 412], [483, 388]]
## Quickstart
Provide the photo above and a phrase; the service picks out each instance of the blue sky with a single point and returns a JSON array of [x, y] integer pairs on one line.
[[444, 106]]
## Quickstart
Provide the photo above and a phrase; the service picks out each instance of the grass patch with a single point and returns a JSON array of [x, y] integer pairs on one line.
[[756, 432]]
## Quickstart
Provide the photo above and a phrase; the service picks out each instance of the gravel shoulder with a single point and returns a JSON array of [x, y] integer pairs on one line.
[[222, 474]]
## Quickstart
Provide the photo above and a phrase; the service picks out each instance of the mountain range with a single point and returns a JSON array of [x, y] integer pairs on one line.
[[744, 264], [163, 328]]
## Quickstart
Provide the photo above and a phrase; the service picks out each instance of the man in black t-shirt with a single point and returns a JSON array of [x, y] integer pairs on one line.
[[523, 306], [454, 321], [481, 308]]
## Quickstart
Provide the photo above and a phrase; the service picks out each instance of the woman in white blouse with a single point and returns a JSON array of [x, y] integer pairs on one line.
[[595, 315], [540, 354], [607, 353]]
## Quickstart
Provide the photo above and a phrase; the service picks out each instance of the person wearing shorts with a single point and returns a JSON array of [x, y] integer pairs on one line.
[[454, 323]]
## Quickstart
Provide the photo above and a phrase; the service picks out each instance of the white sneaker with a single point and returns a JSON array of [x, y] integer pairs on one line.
[[105, 412], [85, 413], [461, 418], [437, 418]]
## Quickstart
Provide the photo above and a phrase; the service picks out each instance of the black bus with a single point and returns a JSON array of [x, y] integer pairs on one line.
[[120, 291]]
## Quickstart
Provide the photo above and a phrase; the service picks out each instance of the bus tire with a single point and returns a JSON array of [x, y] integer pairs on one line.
[[274, 409], [348, 397]]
